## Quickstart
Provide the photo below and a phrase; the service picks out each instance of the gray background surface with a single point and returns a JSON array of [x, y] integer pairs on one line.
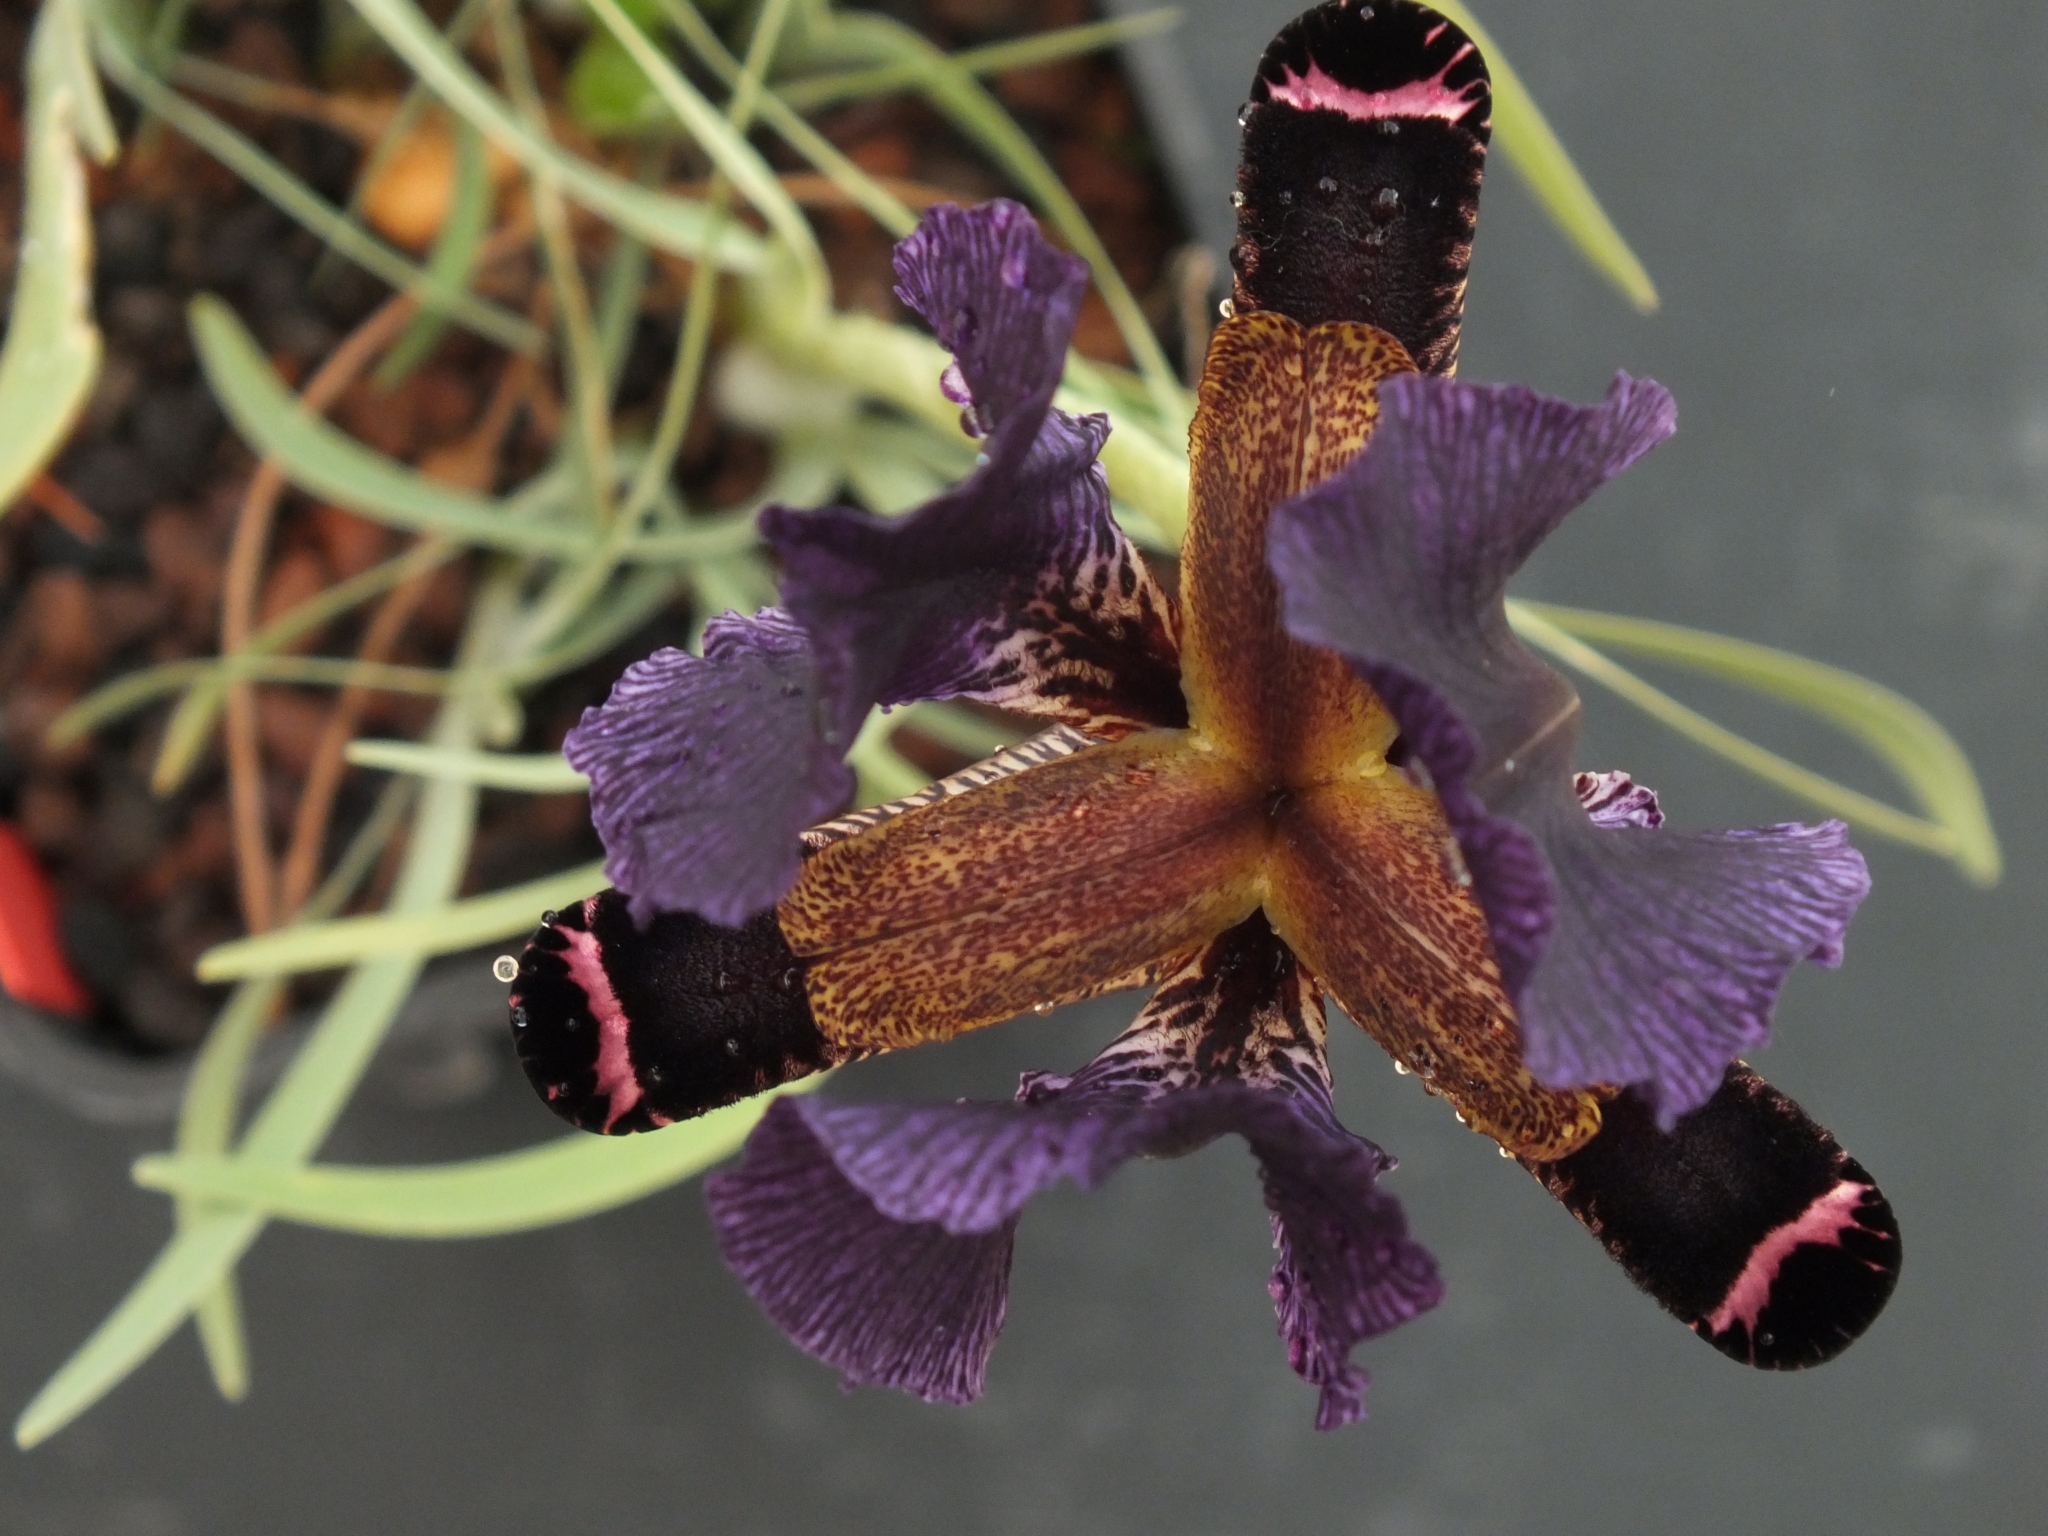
[[1843, 205]]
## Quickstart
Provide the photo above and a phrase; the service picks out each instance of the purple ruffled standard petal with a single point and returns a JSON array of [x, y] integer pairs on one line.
[[878, 1236], [1635, 956], [1000, 299], [1016, 587], [705, 769]]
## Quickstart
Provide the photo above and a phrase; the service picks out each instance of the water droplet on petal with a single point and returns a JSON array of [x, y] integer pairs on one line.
[[1237, 199], [1041, 1008], [1389, 127], [1226, 309], [1401, 1067], [1386, 199], [1504, 1152], [1244, 114], [506, 969], [1326, 185], [732, 1045]]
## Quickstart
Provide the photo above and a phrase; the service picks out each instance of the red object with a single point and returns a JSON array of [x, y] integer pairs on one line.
[[32, 964]]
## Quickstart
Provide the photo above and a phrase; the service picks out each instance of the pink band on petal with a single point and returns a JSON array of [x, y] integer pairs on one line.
[[615, 1079], [1417, 98], [1821, 1223]]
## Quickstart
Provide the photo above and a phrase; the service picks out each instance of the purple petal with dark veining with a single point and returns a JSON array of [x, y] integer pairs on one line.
[[889, 1303], [927, 1197], [1635, 956], [705, 769], [1015, 587], [1000, 299]]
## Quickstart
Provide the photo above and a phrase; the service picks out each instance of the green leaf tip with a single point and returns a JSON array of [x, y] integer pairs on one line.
[[561, 1180], [1525, 137], [1953, 821]]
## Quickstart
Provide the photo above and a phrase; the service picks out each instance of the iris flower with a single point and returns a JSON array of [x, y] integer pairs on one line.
[[1334, 776]]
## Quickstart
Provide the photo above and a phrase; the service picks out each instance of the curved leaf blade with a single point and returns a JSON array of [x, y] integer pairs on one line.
[[322, 458], [561, 1180], [1521, 132], [53, 347], [1954, 822], [419, 932]]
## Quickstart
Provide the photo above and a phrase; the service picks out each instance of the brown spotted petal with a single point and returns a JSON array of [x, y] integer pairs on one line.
[[1281, 407], [1035, 887], [879, 1235], [1366, 885]]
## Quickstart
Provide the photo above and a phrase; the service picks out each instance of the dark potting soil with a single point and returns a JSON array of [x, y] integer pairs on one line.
[[147, 882]]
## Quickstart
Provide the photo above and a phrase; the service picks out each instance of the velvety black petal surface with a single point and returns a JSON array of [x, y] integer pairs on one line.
[[623, 1027], [1635, 956], [705, 769], [840, 1210], [1747, 1222], [1358, 186]]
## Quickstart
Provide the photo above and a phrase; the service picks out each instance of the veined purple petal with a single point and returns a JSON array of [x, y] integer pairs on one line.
[[839, 1211], [1000, 299], [889, 1303], [1015, 587], [705, 769], [1635, 956]]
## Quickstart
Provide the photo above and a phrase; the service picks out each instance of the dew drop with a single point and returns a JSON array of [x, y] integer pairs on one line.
[[1237, 199], [1504, 1152], [519, 1018], [1286, 199], [1244, 114], [732, 1045], [1401, 1067], [506, 969], [1765, 1339], [549, 919], [1226, 309], [1389, 127], [1386, 199], [1041, 1008], [980, 460], [1327, 185]]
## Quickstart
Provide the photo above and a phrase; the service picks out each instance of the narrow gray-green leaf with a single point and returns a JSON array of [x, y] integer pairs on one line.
[[671, 223], [191, 1265], [557, 1181], [1903, 736], [322, 458], [456, 247], [430, 931], [53, 348], [1522, 134], [534, 773]]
